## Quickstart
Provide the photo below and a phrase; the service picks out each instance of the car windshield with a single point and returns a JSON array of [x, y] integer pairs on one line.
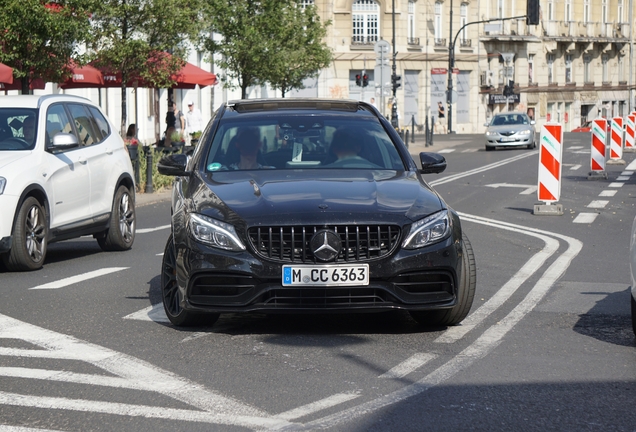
[[311, 141], [18, 128], [510, 119]]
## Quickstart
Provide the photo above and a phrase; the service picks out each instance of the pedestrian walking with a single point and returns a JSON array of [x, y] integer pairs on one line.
[[194, 120]]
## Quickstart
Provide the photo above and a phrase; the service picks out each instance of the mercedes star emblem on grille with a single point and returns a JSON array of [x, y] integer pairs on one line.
[[325, 245]]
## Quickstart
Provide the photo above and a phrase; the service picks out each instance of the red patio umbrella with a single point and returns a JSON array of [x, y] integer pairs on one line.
[[83, 77], [187, 78], [6, 74], [36, 84]]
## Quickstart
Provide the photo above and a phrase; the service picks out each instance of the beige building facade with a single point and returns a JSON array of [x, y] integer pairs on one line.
[[576, 65]]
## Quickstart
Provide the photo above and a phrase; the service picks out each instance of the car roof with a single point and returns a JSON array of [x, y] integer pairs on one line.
[[254, 105], [35, 101], [510, 113]]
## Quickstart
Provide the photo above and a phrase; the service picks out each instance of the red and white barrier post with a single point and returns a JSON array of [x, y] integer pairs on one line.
[[630, 133], [597, 157], [550, 157], [616, 142]]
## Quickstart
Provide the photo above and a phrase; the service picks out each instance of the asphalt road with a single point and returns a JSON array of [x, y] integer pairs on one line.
[[548, 345]]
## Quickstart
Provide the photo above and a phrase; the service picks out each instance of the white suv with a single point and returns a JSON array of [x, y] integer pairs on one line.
[[64, 173]]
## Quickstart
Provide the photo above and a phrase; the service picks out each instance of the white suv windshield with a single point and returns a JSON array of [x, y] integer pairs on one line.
[[18, 128]]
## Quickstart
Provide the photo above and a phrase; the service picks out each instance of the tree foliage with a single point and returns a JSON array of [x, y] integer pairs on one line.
[[266, 41], [38, 39], [131, 37]]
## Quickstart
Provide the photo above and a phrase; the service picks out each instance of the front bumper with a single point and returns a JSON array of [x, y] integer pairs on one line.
[[211, 280], [509, 141]]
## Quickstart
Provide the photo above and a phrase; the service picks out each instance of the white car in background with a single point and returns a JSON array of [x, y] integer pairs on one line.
[[64, 173]]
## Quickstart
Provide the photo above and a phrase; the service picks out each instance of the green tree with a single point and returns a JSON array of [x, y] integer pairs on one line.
[[132, 37], [38, 38], [301, 52], [261, 41]]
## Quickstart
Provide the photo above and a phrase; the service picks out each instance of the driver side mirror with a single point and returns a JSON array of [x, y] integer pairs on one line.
[[432, 163], [173, 165]]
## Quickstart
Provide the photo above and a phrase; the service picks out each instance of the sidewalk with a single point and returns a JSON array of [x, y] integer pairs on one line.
[[143, 199]]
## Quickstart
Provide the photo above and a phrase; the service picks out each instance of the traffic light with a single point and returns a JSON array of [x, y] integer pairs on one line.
[[395, 79], [365, 80], [532, 12], [358, 80]]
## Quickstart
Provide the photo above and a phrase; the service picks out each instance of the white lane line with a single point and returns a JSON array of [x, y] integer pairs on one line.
[[469, 150], [585, 218], [622, 178], [147, 230], [608, 193], [408, 366], [582, 151], [599, 204], [454, 177], [627, 173], [140, 374], [160, 254], [615, 185], [575, 147], [154, 313], [453, 334], [7, 428], [79, 278], [476, 351], [65, 376], [528, 189], [575, 167], [320, 405], [446, 151]]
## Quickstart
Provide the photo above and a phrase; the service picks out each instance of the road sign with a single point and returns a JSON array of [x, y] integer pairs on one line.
[[382, 48]]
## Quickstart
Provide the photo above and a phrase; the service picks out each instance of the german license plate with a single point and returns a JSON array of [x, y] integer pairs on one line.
[[507, 139], [326, 275]]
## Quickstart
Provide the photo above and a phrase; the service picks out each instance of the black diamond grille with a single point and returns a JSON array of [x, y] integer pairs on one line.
[[291, 243]]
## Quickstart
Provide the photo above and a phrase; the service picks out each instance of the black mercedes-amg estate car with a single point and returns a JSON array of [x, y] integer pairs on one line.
[[310, 205]]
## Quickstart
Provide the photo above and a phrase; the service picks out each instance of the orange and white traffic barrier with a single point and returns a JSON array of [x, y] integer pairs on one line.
[[597, 159], [550, 157], [616, 139], [630, 132]]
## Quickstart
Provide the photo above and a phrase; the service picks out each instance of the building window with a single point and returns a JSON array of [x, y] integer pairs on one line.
[[568, 10], [550, 60], [619, 15], [530, 68], [586, 11], [604, 11], [604, 62], [587, 60], [550, 10], [366, 19], [438, 21], [305, 3], [621, 73], [411, 20], [463, 19], [568, 68]]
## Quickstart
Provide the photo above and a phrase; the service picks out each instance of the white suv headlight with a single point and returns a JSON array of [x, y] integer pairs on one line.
[[3, 183], [427, 231], [215, 233]]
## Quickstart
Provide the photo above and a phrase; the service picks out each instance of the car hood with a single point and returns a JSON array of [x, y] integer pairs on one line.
[[509, 128], [287, 197], [8, 157]]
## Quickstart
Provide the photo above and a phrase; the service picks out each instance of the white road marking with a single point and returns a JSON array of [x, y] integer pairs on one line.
[[320, 405], [608, 193], [582, 151], [627, 173], [7, 428], [615, 185], [128, 372], [446, 150], [622, 178], [575, 147], [194, 336], [481, 347], [585, 218], [154, 313], [408, 366], [469, 150], [575, 167], [159, 254], [529, 189], [482, 169], [598, 204], [79, 278], [147, 230], [631, 166]]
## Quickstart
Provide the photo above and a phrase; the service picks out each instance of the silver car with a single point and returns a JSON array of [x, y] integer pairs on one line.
[[510, 129]]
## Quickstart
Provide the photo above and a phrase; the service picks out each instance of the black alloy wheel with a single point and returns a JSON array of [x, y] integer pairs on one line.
[[121, 231]]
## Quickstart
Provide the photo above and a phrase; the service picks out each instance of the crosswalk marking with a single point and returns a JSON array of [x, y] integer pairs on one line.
[[585, 218], [608, 193], [78, 278], [598, 204], [615, 185]]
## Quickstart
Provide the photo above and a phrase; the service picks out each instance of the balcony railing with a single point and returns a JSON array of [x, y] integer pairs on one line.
[[440, 42], [413, 41], [364, 40], [465, 43]]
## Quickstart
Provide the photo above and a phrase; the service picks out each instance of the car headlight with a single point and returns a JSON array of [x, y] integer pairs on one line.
[[524, 132], [215, 233], [491, 133], [3, 183], [427, 231]]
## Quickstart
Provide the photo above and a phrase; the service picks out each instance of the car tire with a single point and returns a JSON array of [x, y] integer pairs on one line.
[[465, 294], [489, 148], [633, 314], [120, 234], [532, 146], [171, 295], [30, 233]]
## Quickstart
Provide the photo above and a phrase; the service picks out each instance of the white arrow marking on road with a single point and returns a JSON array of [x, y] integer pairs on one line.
[[79, 278], [529, 189]]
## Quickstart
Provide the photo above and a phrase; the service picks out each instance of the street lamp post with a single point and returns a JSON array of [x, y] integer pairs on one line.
[[451, 64], [394, 115]]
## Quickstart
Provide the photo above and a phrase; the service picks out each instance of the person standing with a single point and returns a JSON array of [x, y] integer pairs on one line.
[[179, 122], [194, 120]]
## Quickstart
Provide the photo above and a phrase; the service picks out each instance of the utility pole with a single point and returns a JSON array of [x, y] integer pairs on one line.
[[451, 64], [394, 117]]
